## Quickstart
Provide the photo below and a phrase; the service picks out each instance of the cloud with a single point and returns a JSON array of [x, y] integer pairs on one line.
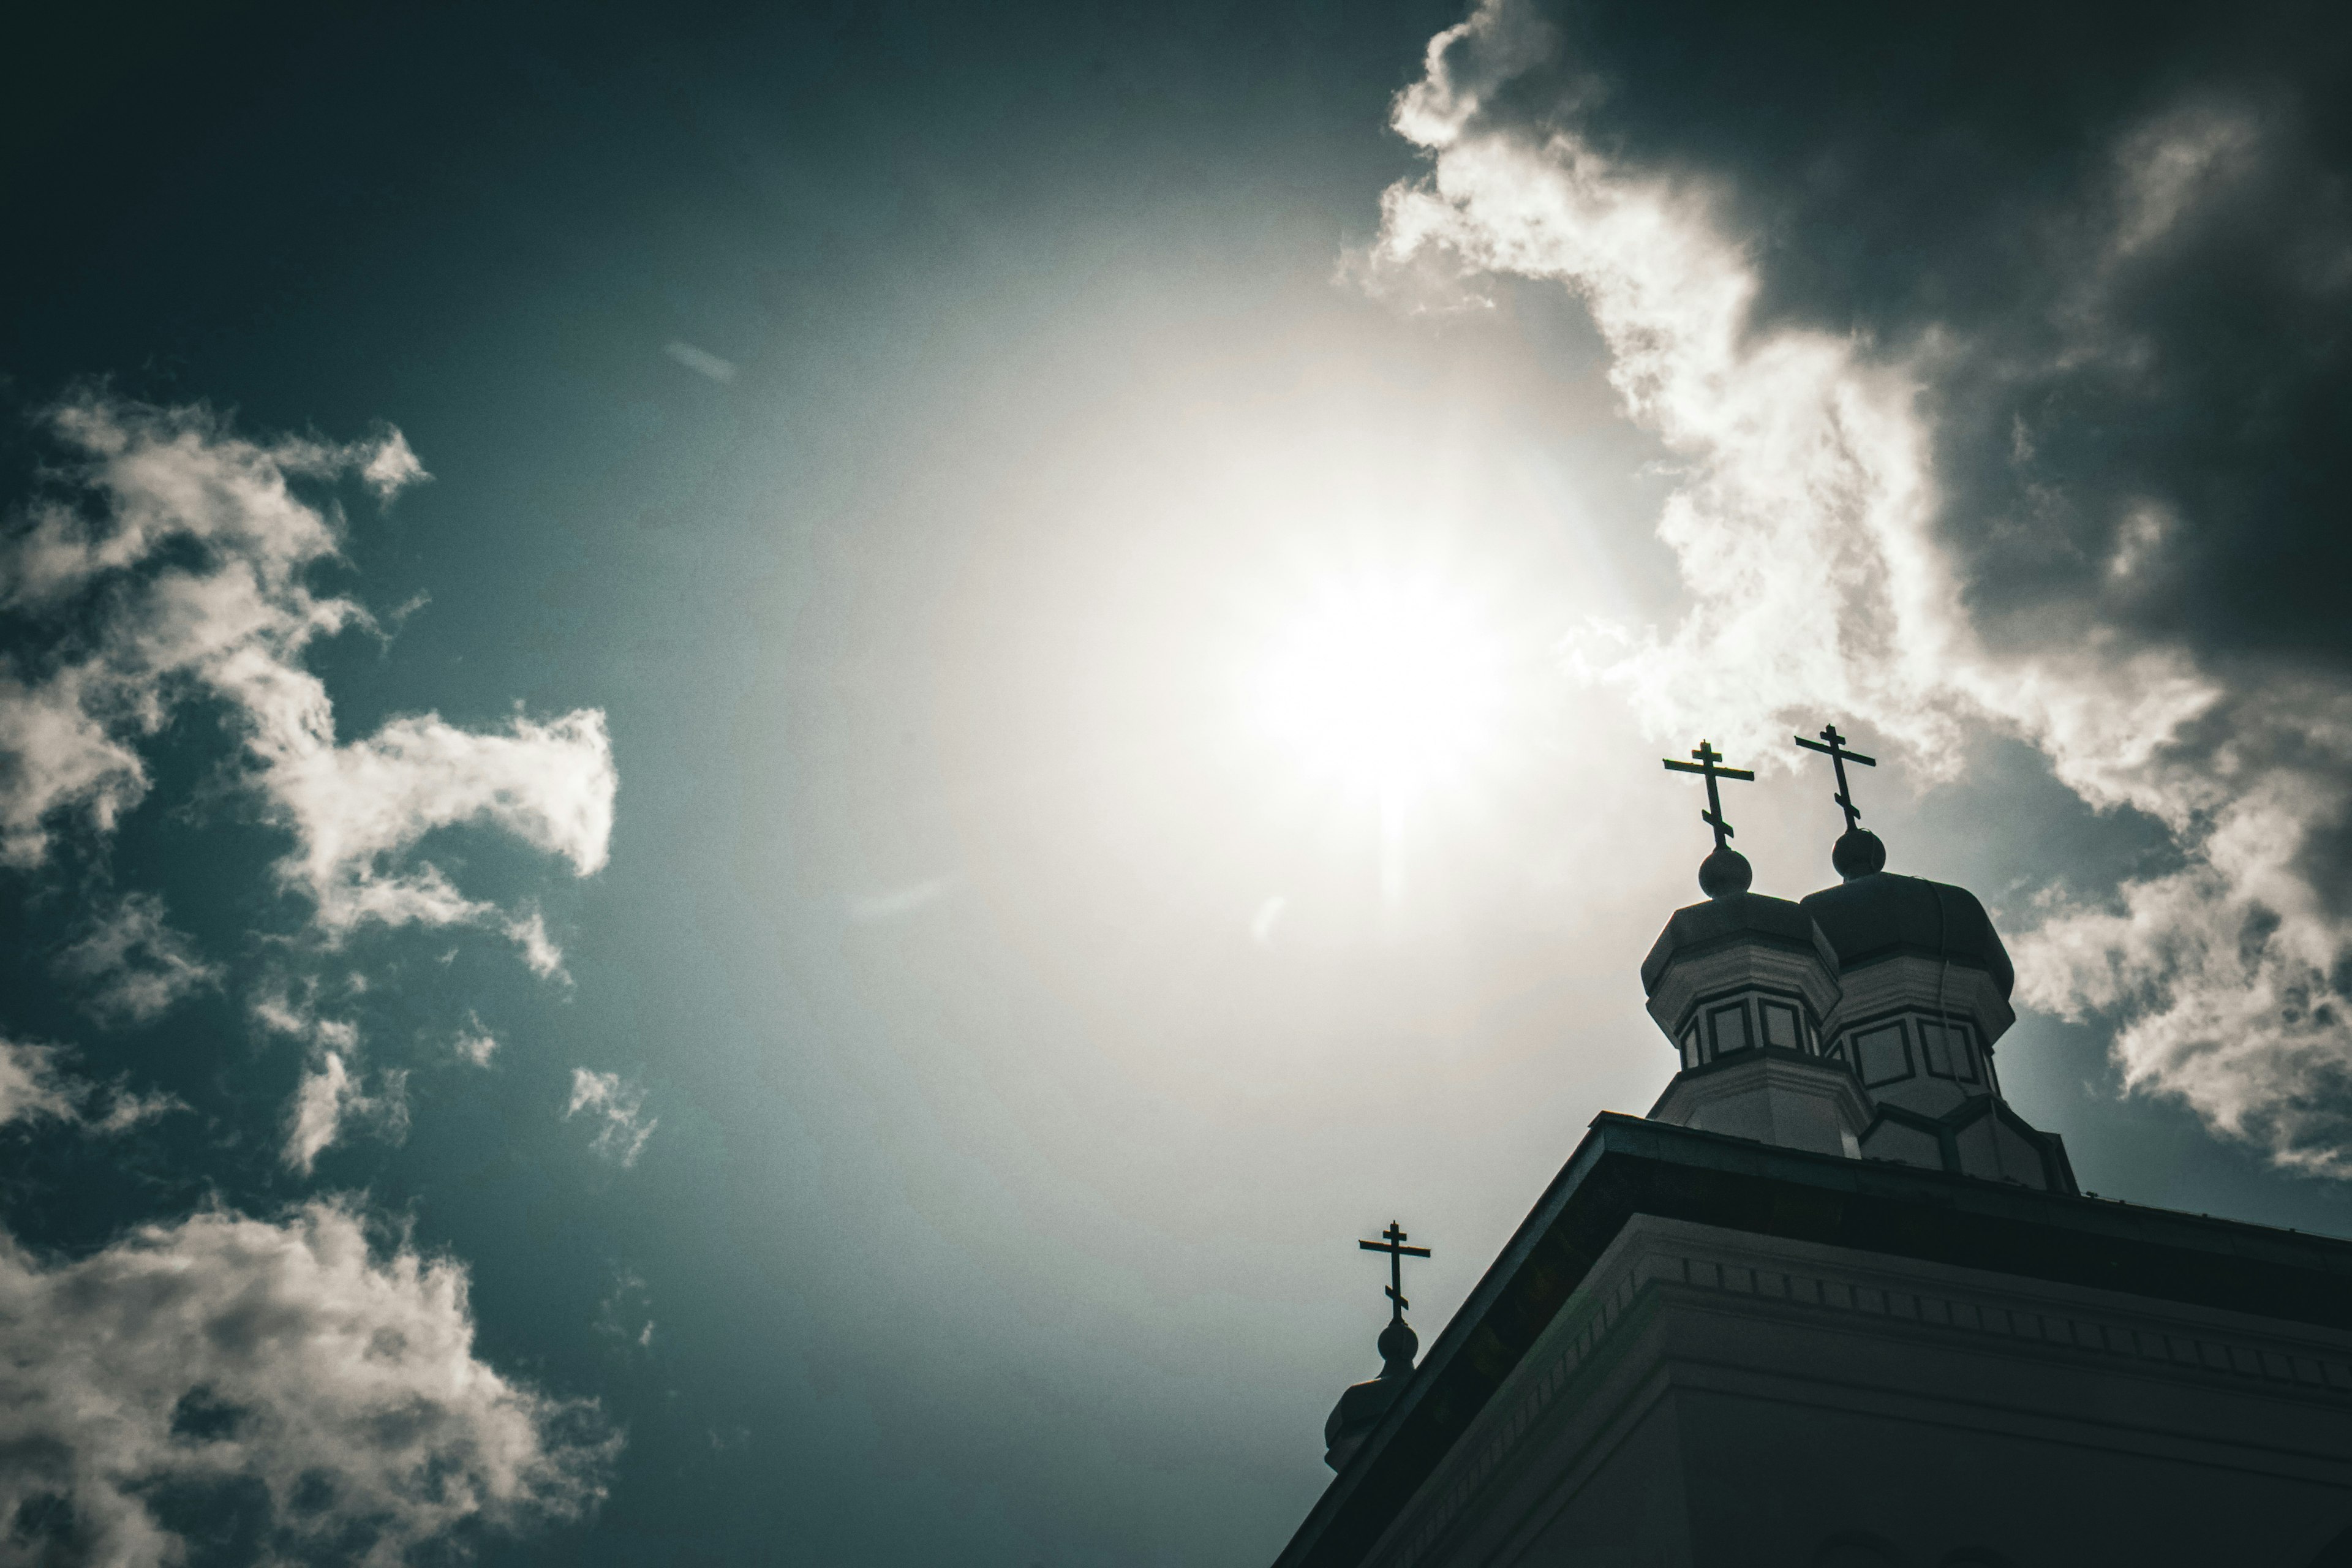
[[702, 362], [31, 1086], [393, 468], [868, 909], [224, 1357], [538, 950], [172, 561], [626, 1315], [1802, 523], [618, 1108], [131, 965], [35, 1087], [330, 1098], [57, 755], [124, 1111], [2001, 482], [475, 1042], [358, 808]]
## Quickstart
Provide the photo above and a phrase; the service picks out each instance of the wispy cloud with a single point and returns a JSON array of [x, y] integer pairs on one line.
[[291, 1356], [545, 959], [191, 548], [35, 1087], [866, 909], [331, 1097], [32, 1087], [131, 965], [702, 362], [626, 1315], [475, 1042], [617, 1108]]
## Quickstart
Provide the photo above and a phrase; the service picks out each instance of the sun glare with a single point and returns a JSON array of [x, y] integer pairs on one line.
[[1386, 686]]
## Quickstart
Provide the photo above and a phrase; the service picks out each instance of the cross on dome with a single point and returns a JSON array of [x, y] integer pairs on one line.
[[1858, 851], [1726, 872], [1839, 756], [1713, 816], [1394, 1244]]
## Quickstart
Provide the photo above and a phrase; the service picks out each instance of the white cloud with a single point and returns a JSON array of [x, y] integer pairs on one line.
[[356, 809], [222, 1351], [171, 560], [618, 1107], [133, 966], [331, 1097], [57, 754], [125, 1111], [475, 1042], [538, 950], [394, 467], [192, 547], [1806, 529], [35, 1087], [31, 1086]]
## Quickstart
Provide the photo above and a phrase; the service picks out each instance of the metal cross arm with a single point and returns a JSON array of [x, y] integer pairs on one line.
[[1706, 766], [1394, 1244], [1839, 756]]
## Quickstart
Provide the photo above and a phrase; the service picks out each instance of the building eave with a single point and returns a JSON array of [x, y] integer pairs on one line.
[[1627, 1165]]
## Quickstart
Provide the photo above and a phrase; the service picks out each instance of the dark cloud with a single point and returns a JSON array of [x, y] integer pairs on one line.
[[2004, 355], [2130, 226]]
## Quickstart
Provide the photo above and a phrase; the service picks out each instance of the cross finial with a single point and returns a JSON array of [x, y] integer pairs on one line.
[[1707, 756], [1857, 852], [1839, 756], [1392, 1242]]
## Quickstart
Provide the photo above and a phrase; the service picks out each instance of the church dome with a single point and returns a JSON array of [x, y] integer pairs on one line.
[[1739, 918], [1885, 915]]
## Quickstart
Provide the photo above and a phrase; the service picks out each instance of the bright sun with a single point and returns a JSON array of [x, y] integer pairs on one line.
[[1388, 685]]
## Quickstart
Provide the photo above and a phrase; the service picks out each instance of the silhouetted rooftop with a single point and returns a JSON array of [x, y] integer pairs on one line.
[[1628, 1165]]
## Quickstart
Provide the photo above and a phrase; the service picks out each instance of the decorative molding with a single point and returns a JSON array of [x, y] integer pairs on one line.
[[1909, 984], [1775, 1096], [1690, 980], [2014, 1313]]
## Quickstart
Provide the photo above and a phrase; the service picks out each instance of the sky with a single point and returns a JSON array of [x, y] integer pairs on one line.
[[761, 767]]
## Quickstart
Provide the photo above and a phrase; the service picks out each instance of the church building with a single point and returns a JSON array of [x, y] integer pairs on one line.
[[1835, 1303]]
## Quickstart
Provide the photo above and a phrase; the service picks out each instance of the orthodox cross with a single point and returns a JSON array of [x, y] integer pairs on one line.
[[1713, 816], [1839, 756], [1394, 1244]]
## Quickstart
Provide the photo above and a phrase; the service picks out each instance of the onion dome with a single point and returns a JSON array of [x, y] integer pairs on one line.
[[1882, 915]]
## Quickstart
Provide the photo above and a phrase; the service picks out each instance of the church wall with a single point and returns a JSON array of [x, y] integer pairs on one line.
[[1714, 1397]]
